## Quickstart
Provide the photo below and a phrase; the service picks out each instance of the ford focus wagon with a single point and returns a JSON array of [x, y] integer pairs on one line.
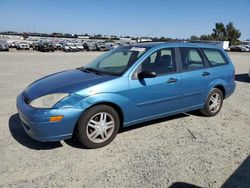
[[126, 86]]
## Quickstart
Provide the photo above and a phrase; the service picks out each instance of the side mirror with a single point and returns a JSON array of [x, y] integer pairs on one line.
[[146, 74]]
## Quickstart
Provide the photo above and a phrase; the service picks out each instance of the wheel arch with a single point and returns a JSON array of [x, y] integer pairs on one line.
[[219, 84], [222, 88], [117, 108], [113, 105]]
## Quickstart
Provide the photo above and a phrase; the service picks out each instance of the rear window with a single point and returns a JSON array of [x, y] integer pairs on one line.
[[215, 57]]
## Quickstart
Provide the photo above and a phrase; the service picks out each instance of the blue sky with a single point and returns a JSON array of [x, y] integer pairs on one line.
[[168, 18]]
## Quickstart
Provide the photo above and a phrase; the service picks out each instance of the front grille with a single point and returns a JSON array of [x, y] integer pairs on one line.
[[26, 99]]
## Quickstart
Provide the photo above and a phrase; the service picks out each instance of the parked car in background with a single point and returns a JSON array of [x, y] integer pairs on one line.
[[92, 46], [111, 45], [11, 44], [45, 46], [248, 47], [239, 48], [34, 45], [101, 46], [69, 47], [66, 48], [79, 46], [22, 46], [4, 46], [58, 46], [85, 46], [126, 86]]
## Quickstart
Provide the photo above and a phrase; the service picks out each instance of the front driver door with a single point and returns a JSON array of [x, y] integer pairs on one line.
[[159, 95]]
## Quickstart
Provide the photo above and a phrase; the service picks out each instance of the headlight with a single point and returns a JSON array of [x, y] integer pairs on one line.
[[48, 101]]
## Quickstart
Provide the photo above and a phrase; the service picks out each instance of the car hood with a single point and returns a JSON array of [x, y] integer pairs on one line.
[[64, 82]]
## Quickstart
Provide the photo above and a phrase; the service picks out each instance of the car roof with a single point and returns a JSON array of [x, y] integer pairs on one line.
[[175, 44]]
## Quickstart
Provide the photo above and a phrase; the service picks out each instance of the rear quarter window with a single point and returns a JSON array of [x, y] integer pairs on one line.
[[215, 57]]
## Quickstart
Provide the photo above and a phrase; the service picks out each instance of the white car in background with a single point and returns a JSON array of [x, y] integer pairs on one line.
[[248, 47], [69, 47], [4, 46], [239, 48], [22, 46], [92, 46], [79, 46], [72, 47], [111, 45]]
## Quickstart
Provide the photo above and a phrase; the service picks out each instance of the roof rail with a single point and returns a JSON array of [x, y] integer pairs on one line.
[[204, 41]]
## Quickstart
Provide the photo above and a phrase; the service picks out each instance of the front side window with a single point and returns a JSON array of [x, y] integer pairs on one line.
[[117, 61], [191, 59], [160, 62], [214, 57]]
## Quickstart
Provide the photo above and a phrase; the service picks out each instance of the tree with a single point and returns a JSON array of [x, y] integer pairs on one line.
[[222, 32], [219, 32], [232, 33], [206, 37], [194, 37]]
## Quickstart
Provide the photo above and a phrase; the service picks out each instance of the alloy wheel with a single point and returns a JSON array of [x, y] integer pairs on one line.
[[215, 102], [100, 127]]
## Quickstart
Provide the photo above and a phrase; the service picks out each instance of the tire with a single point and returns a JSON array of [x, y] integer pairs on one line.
[[98, 126], [213, 103]]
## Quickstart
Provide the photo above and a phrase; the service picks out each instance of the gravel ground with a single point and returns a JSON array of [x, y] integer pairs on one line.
[[187, 148]]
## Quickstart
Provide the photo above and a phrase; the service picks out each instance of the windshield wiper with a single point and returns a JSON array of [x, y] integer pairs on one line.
[[82, 69], [89, 70]]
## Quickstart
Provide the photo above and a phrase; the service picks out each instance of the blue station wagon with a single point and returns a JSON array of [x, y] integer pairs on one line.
[[126, 86]]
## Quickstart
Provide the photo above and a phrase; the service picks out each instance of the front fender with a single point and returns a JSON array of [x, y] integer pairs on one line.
[[121, 101]]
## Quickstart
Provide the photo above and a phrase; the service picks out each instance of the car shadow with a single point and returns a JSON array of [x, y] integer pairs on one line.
[[147, 123], [19, 134], [23, 138], [242, 78], [240, 177], [73, 142], [183, 185]]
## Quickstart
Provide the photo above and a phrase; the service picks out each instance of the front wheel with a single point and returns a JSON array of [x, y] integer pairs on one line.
[[213, 103], [98, 126]]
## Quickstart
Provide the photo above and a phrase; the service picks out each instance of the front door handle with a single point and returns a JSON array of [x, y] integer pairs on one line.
[[205, 73], [172, 80]]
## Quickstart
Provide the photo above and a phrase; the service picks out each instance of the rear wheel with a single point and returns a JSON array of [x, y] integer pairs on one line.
[[98, 126], [213, 103]]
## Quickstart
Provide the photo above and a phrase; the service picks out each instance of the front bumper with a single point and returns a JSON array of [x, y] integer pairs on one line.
[[37, 125]]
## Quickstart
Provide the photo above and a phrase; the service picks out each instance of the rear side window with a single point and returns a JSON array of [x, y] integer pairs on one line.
[[214, 57], [191, 59]]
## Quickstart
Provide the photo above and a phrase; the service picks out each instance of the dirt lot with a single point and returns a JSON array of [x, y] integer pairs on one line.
[[161, 153]]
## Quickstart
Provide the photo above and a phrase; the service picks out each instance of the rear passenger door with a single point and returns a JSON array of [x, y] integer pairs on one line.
[[194, 78]]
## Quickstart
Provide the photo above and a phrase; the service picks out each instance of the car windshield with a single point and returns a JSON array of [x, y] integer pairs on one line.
[[117, 61]]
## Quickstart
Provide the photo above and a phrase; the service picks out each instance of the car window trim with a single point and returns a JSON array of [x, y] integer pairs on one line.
[[220, 52], [133, 75], [201, 55]]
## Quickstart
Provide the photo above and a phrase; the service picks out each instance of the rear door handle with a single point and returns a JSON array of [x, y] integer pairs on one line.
[[205, 73], [172, 80]]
